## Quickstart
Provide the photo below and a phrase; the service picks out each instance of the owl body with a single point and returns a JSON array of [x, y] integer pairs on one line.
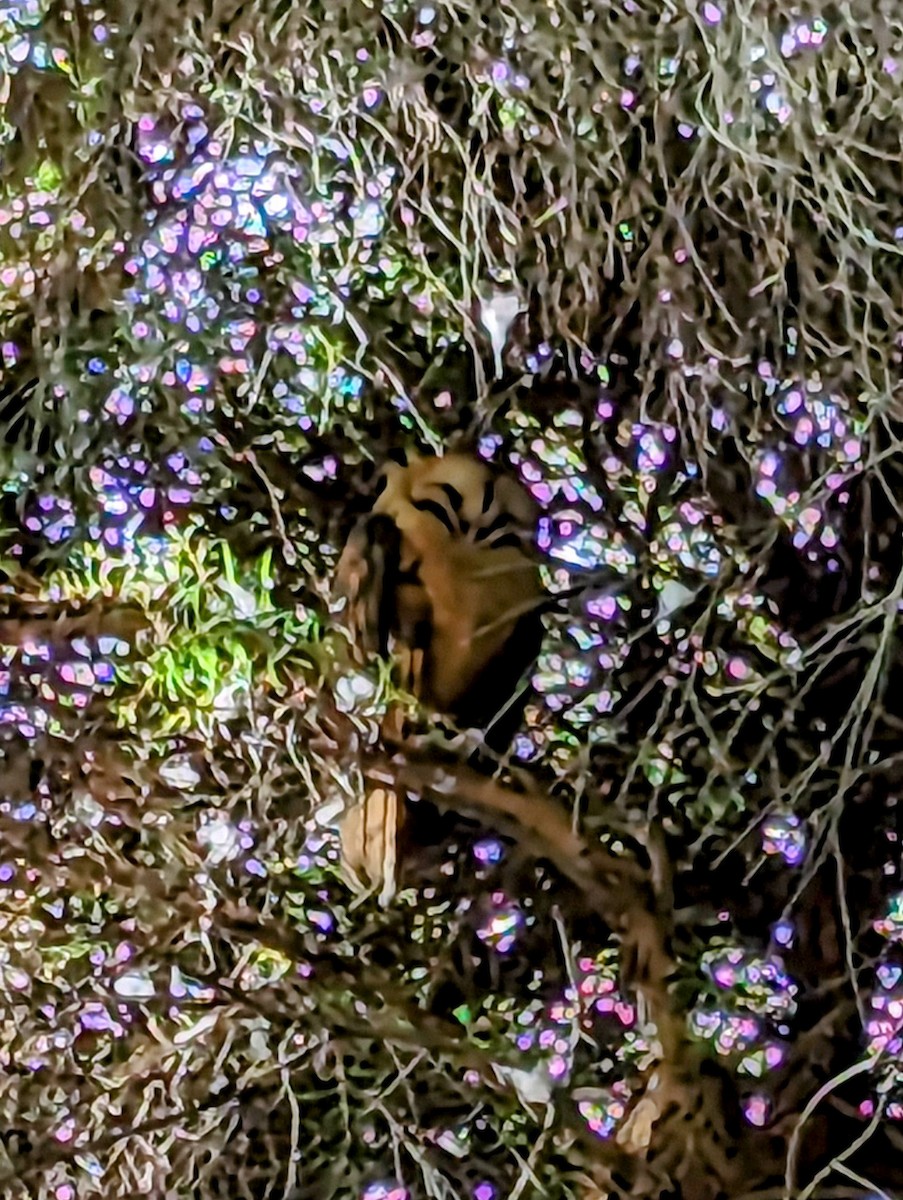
[[439, 578], [440, 569]]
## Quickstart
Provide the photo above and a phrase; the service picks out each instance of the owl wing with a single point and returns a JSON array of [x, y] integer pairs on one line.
[[482, 600], [367, 578]]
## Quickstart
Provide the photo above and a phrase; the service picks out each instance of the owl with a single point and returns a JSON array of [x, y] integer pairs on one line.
[[439, 578]]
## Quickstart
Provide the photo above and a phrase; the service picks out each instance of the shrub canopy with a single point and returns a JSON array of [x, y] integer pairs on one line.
[[648, 258]]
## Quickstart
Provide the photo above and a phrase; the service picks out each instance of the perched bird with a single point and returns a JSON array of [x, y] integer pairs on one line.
[[438, 577]]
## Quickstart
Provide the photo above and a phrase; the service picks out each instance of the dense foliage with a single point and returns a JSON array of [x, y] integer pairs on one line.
[[648, 258]]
